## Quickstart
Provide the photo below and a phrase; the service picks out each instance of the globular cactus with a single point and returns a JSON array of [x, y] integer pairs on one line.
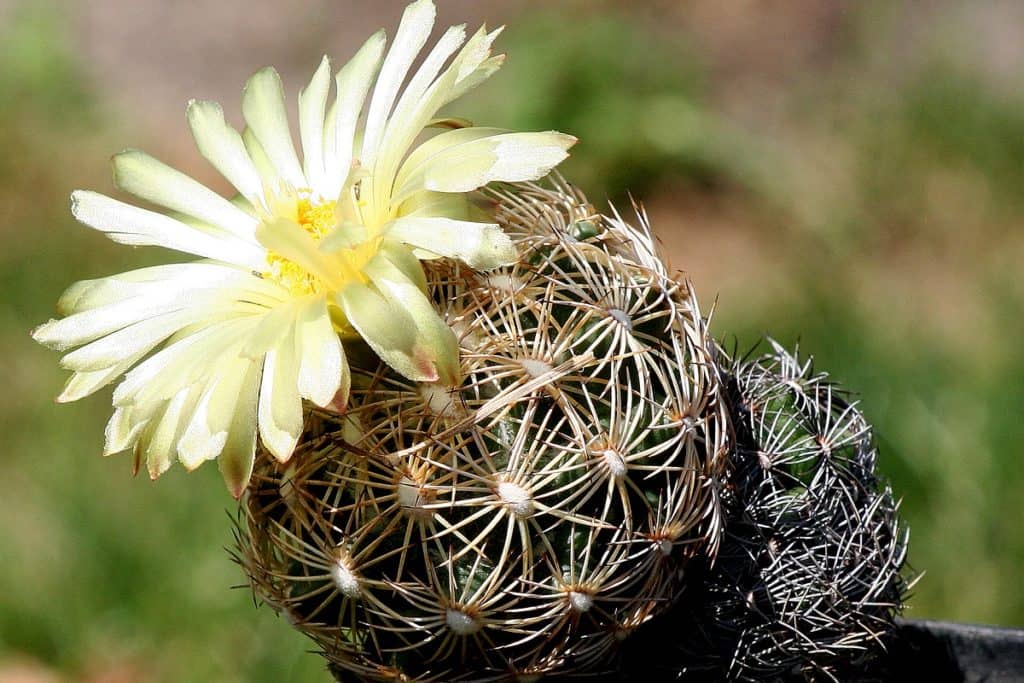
[[524, 523], [808, 580]]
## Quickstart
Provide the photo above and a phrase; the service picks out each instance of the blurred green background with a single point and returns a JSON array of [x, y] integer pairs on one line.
[[846, 175]]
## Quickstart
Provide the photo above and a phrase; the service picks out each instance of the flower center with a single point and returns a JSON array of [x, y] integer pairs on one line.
[[317, 220]]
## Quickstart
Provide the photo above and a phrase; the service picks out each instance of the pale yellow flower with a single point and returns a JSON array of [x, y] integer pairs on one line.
[[216, 351]]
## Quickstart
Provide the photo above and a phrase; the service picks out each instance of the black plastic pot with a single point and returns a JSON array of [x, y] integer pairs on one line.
[[947, 651]]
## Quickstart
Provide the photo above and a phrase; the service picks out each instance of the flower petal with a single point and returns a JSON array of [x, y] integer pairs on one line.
[[412, 34], [353, 82], [509, 157], [159, 442], [134, 340], [280, 408], [322, 364], [237, 458], [475, 64], [86, 326], [82, 384], [143, 176], [122, 431], [184, 361], [271, 329], [269, 176], [408, 121], [312, 103], [400, 130], [207, 429], [443, 204], [129, 224], [420, 103], [427, 150], [412, 94], [345, 235], [222, 146], [156, 299], [177, 278], [402, 257], [479, 245], [390, 331], [264, 111], [435, 346]]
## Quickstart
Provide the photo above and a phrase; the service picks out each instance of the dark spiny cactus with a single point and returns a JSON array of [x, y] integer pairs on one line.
[[808, 580]]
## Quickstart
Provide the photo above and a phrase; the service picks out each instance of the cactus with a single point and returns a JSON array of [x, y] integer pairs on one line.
[[808, 580], [525, 522]]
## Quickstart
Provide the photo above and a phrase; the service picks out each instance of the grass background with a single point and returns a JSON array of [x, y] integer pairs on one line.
[[848, 178]]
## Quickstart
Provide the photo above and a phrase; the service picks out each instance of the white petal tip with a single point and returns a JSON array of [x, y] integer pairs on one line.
[[280, 443], [318, 395], [338, 404], [265, 72], [76, 199], [198, 107], [157, 469], [39, 332], [193, 451], [236, 470]]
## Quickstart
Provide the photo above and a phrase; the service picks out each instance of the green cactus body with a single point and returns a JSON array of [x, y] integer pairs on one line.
[[525, 522]]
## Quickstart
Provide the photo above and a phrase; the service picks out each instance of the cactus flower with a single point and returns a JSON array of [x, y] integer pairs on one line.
[[308, 254]]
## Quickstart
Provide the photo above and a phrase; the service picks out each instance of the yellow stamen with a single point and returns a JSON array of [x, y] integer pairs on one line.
[[317, 220]]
